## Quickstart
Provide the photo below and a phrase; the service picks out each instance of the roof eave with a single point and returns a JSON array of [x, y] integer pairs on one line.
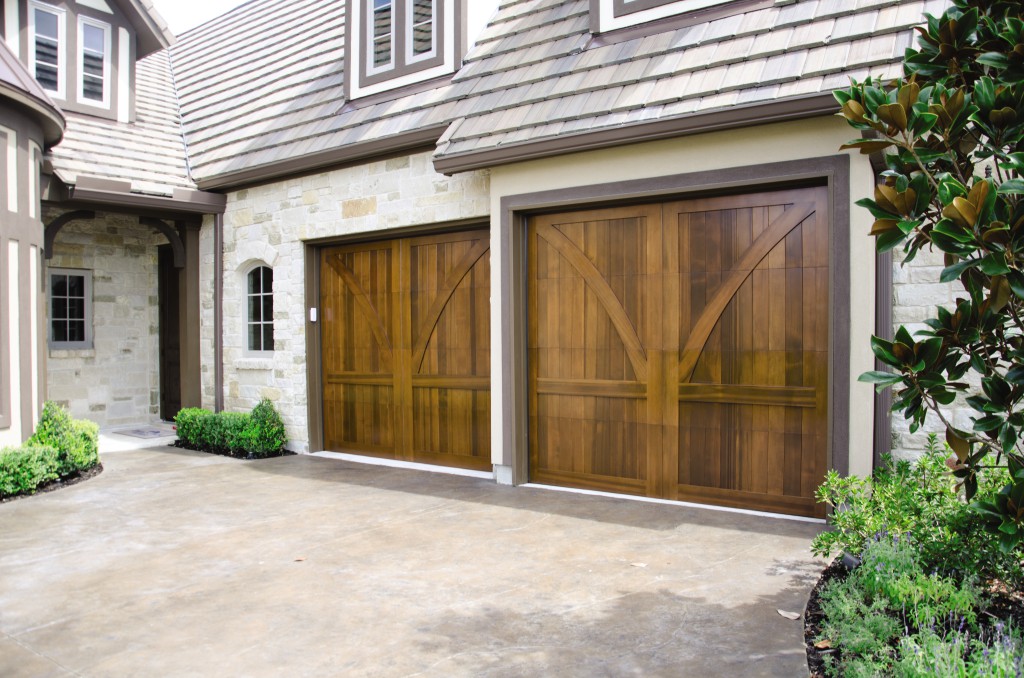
[[332, 157], [153, 33], [50, 118], [118, 194], [734, 117]]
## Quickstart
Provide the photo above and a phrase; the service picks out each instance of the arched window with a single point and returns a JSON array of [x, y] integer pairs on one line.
[[261, 309]]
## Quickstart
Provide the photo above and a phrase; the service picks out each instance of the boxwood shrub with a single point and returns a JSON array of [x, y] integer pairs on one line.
[[76, 440], [23, 469], [252, 435], [60, 447]]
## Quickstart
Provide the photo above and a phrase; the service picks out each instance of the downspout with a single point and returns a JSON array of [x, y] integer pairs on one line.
[[218, 312]]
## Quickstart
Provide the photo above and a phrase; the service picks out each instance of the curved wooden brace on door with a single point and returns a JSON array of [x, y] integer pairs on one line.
[[53, 228], [172, 235], [765, 243], [445, 292], [612, 306], [380, 333]]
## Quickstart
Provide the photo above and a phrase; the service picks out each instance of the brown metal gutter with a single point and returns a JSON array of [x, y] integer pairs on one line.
[[118, 194], [712, 121], [218, 312], [336, 156]]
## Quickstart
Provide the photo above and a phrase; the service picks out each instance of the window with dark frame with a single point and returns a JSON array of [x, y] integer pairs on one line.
[[400, 37], [261, 309], [623, 7], [70, 309]]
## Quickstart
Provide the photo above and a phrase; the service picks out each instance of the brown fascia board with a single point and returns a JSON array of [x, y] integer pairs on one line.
[[153, 35], [118, 194], [701, 123], [332, 157], [50, 118]]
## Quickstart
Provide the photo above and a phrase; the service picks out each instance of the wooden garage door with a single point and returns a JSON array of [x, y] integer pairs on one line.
[[406, 349], [680, 350]]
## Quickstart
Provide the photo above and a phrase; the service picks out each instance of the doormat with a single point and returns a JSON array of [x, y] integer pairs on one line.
[[148, 432]]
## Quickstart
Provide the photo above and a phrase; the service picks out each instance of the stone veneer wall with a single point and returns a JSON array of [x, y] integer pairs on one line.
[[116, 382], [269, 224], [916, 293]]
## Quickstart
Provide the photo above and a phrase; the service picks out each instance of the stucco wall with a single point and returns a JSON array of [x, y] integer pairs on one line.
[[269, 225], [736, 148], [117, 381]]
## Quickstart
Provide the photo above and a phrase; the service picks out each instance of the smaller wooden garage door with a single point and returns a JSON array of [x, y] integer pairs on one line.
[[406, 349], [680, 350]]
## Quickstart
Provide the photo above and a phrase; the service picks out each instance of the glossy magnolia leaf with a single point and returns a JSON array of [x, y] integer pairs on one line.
[[960, 447], [994, 59], [1012, 186], [953, 230], [1014, 161], [867, 146], [994, 264], [989, 423], [1016, 280], [951, 273], [1007, 438], [950, 188]]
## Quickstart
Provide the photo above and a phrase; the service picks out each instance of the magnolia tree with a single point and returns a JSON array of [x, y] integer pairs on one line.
[[952, 134]]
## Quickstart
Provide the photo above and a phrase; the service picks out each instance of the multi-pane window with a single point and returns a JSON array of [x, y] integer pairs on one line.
[[400, 34], [423, 17], [70, 308], [93, 63], [383, 22], [261, 309], [47, 30], [616, 14]]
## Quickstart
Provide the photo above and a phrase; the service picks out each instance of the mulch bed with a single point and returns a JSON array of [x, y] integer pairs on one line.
[[227, 453], [1004, 605], [59, 484]]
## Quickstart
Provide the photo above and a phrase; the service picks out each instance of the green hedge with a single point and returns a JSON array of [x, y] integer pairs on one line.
[[59, 448], [238, 434], [23, 469]]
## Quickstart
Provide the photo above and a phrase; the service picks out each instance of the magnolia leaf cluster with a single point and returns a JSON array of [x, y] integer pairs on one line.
[[951, 131]]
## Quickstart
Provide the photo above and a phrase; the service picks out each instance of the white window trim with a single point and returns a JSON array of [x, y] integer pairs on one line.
[[610, 22], [69, 345], [83, 21], [35, 166], [410, 58], [251, 352], [11, 167], [446, 68], [62, 45]]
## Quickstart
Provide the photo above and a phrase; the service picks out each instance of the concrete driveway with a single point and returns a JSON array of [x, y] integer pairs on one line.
[[174, 563]]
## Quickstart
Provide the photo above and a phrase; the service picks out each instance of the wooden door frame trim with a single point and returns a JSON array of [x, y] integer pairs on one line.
[[314, 357], [509, 244]]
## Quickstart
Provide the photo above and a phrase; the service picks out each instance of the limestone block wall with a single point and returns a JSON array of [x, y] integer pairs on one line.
[[916, 293], [116, 382], [269, 225]]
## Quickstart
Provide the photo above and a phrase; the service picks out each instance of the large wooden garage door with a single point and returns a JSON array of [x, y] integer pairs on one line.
[[406, 349], [680, 350]]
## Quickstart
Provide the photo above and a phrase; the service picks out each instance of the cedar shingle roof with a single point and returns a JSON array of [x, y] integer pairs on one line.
[[149, 153], [538, 74]]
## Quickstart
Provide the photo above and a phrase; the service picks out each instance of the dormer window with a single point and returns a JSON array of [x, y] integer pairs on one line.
[[46, 30], [93, 62], [399, 42], [615, 14]]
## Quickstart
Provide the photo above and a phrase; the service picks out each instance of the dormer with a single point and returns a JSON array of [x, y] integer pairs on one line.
[[392, 44], [83, 52], [613, 15]]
